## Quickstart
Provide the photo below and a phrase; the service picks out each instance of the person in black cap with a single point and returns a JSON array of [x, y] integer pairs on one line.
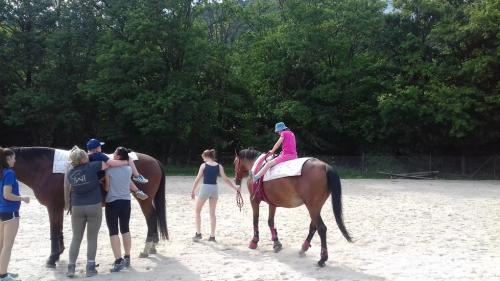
[[95, 154]]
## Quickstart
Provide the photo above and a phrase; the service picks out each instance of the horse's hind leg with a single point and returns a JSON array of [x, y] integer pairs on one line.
[[152, 236], [274, 233], [56, 236], [307, 243], [321, 227], [255, 239]]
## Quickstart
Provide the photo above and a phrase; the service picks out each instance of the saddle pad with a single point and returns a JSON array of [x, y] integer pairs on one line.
[[284, 169], [61, 161], [288, 168]]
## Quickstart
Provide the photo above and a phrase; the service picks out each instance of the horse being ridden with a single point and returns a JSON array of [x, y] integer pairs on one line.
[[317, 181], [34, 168]]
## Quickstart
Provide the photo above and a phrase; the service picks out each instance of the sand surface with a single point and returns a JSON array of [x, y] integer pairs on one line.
[[403, 230]]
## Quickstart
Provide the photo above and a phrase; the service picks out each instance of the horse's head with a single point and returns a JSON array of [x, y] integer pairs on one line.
[[243, 162], [239, 169]]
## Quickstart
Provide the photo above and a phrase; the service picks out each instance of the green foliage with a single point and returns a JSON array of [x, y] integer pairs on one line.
[[175, 77]]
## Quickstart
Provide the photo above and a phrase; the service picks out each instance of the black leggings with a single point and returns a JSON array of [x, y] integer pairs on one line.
[[118, 211]]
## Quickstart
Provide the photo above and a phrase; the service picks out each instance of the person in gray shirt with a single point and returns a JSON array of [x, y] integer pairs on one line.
[[117, 184], [84, 195]]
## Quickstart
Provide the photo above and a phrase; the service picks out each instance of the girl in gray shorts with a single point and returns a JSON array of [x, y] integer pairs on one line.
[[209, 171]]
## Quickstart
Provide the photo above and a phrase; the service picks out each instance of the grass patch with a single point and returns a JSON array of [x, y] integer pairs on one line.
[[344, 173], [191, 171]]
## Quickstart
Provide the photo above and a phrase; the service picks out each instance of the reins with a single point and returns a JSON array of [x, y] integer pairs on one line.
[[239, 200]]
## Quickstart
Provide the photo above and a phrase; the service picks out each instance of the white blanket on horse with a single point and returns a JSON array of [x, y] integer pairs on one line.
[[61, 160], [289, 168]]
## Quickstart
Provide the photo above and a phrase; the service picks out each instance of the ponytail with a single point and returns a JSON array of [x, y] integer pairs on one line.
[[209, 153]]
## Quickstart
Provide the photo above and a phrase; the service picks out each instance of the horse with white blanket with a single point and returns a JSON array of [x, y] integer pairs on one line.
[[43, 168]]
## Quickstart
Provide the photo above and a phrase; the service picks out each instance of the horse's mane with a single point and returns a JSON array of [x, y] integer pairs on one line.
[[249, 153], [31, 153]]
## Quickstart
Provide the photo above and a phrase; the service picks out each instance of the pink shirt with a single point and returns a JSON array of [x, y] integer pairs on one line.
[[288, 146]]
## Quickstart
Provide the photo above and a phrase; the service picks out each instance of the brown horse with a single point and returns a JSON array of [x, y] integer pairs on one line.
[[312, 188], [34, 168]]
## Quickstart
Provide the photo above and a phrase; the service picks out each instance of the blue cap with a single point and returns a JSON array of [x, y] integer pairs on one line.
[[93, 143], [279, 127]]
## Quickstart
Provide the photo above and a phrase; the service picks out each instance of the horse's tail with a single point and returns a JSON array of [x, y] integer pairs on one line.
[[160, 206], [335, 187]]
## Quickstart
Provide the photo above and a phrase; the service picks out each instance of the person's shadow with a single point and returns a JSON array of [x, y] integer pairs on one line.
[[164, 268]]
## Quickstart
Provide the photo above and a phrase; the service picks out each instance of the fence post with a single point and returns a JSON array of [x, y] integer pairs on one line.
[[495, 167], [430, 161], [463, 165], [363, 163]]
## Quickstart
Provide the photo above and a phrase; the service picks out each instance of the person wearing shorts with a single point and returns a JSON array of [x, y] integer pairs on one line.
[[118, 209], [209, 171], [10, 202]]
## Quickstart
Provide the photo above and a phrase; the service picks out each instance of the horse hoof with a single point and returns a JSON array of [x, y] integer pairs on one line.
[[143, 255], [302, 253], [277, 247], [51, 262], [253, 245], [152, 251], [324, 258]]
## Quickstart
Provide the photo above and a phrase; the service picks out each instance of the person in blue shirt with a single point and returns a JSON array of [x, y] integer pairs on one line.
[[209, 171], [10, 201], [95, 154]]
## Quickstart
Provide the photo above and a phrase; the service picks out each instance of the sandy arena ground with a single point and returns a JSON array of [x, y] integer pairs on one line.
[[403, 230]]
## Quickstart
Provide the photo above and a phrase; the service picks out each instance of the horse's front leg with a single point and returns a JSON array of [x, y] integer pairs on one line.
[[56, 235], [255, 239], [274, 233]]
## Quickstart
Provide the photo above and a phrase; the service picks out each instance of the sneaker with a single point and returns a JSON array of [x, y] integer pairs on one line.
[[197, 237], [140, 179], [91, 271], [212, 239], [8, 278], [71, 271], [118, 265], [127, 261], [141, 195]]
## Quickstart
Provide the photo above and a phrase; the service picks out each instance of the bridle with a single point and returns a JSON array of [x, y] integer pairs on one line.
[[239, 173]]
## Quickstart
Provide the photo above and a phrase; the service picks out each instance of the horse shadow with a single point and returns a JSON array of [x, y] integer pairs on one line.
[[163, 268], [306, 265]]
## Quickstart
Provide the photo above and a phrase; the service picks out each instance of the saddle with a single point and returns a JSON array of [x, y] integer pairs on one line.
[[288, 168]]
